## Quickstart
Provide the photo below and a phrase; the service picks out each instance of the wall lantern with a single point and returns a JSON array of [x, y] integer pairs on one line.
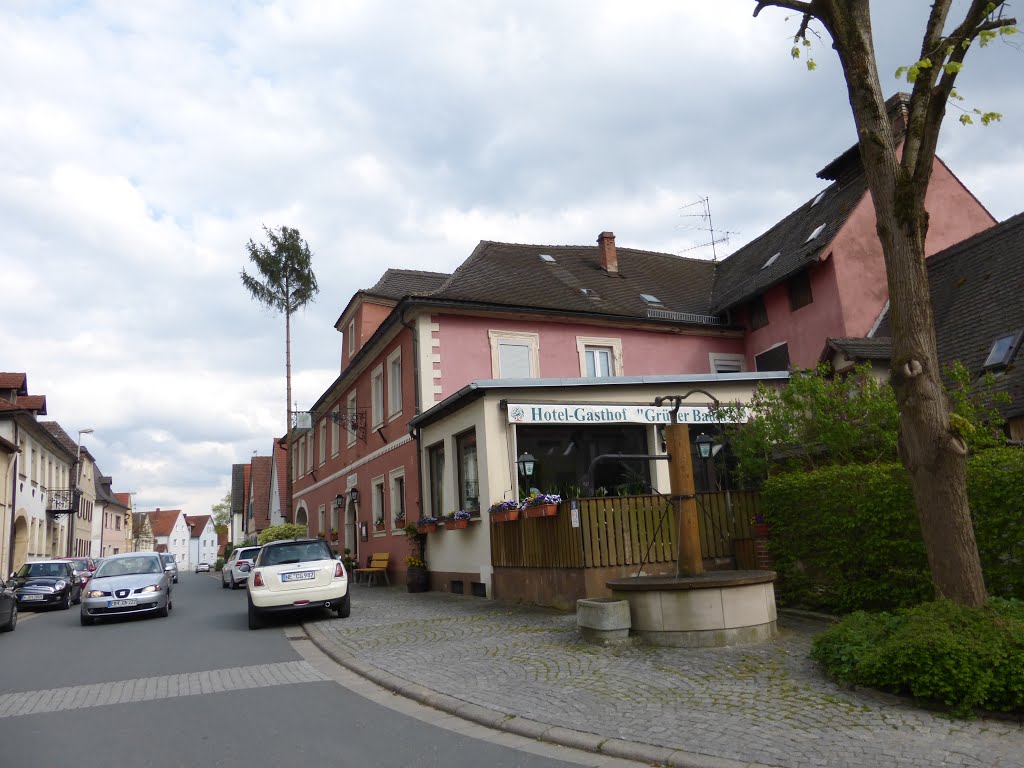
[[339, 501], [704, 443], [526, 464], [353, 495]]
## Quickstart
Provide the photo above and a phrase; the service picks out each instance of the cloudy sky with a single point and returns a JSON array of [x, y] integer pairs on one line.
[[144, 143]]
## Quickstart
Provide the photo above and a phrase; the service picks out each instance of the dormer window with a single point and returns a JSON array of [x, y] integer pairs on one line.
[[1003, 349], [815, 233], [771, 261], [650, 299]]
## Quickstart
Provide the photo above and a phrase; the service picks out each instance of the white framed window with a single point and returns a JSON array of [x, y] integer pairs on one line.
[[335, 436], [322, 517], [514, 354], [395, 383], [599, 357], [396, 483], [309, 452], [727, 362], [377, 396], [351, 337], [350, 401], [377, 502], [323, 442]]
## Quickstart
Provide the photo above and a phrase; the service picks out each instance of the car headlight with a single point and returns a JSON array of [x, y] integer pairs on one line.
[[60, 585], [151, 588], [94, 593]]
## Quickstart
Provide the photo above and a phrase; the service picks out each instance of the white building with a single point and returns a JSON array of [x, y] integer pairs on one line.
[[202, 546], [171, 534]]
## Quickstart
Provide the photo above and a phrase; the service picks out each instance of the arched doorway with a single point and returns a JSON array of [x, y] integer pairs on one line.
[[300, 516], [20, 541]]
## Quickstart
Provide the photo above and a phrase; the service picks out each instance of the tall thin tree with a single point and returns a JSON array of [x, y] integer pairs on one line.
[[285, 283], [898, 173]]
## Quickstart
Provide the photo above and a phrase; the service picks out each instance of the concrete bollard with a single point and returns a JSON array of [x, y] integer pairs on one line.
[[603, 619]]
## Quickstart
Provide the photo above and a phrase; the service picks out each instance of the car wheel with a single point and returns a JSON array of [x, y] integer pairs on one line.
[[345, 606], [86, 620], [255, 620], [223, 584], [164, 611], [78, 600], [234, 584], [13, 621], [65, 604]]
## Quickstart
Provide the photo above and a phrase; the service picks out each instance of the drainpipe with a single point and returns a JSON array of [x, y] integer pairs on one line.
[[416, 410], [14, 498]]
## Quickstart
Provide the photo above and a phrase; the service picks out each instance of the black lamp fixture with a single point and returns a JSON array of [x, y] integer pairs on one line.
[[353, 495], [339, 501], [526, 464], [704, 444]]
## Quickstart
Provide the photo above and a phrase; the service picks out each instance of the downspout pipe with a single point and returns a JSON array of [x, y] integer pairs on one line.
[[415, 433], [14, 498]]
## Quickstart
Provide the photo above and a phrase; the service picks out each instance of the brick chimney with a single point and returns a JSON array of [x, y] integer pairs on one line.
[[606, 247]]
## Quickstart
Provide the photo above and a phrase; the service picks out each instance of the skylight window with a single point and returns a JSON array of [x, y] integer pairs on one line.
[[818, 198], [1003, 349], [771, 260], [815, 233], [547, 257], [650, 299], [590, 293]]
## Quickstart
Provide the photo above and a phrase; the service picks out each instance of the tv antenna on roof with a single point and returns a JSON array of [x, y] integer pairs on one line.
[[705, 216]]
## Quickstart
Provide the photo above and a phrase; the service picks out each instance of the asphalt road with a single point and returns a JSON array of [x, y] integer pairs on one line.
[[199, 689]]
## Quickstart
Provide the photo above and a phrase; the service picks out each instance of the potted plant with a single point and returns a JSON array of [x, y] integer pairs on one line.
[[400, 520], [504, 511], [458, 519], [378, 524], [542, 504], [334, 534], [426, 524], [416, 577], [321, 534]]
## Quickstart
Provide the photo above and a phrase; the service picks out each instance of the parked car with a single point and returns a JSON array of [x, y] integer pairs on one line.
[[47, 583], [203, 568], [231, 575], [170, 565], [294, 575], [84, 567], [128, 584], [8, 608]]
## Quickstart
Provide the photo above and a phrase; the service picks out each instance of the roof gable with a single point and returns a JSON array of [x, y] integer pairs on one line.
[[197, 524], [162, 521]]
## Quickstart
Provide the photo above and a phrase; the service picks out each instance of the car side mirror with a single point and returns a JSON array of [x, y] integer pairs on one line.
[[244, 568]]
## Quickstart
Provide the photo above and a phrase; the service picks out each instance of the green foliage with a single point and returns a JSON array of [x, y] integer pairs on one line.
[[228, 549], [976, 404], [847, 538], [283, 531], [962, 659], [286, 281], [815, 420], [219, 564], [221, 512]]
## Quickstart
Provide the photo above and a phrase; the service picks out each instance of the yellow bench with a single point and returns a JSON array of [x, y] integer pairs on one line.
[[378, 567]]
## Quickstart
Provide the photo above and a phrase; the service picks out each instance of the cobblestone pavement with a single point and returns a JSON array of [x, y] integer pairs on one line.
[[761, 704]]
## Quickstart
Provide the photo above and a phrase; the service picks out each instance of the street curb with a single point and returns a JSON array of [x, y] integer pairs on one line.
[[514, 724]]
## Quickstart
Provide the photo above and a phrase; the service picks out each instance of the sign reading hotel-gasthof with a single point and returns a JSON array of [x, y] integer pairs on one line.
[[526, 413]]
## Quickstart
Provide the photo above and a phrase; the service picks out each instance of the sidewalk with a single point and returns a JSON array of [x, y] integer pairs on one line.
[[523, 669]]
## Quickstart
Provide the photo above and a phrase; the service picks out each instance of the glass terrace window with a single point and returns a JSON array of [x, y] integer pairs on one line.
[[435, 468], [469, 479], [1003, 349]]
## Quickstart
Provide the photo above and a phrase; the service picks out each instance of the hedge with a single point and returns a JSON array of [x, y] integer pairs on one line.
[[847, 538]]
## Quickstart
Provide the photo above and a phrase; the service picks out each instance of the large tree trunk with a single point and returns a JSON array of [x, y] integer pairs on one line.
[[933, 454]]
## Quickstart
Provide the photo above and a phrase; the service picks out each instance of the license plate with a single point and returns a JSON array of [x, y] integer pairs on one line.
[[121, 603], [26, 598], [300, 576]]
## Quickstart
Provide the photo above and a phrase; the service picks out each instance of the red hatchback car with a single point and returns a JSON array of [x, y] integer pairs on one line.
[[84, 567]]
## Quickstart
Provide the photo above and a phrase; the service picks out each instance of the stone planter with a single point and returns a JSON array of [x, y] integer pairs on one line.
[[603, 619], [542, 510], [456, 524], [417, 579]]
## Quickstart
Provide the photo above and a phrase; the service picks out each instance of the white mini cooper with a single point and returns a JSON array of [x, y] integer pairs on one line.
[[293, 575]]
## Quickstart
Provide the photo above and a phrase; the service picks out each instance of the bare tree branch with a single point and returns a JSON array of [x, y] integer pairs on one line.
[[801, 6]]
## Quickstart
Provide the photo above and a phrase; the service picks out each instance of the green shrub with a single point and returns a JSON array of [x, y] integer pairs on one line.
[[847, 538], [219, 565], [283, 531], [961, 659]]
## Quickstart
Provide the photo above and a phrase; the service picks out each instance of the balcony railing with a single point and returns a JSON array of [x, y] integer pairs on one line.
[[62, 501]]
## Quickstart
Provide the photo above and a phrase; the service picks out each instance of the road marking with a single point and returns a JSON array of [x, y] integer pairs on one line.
[[163, 687]]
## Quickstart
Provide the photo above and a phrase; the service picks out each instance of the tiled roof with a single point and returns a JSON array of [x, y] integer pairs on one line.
[[875, 348], [744, 274], [35, 403], [398, 283], [16, 381], [58, 434], [103, 492], [238, 488], [514, 275], [197, 524], [9, 407], [124, 498], [261, 491], [162, 521]]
